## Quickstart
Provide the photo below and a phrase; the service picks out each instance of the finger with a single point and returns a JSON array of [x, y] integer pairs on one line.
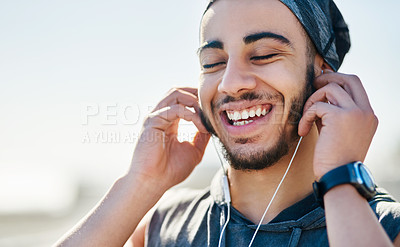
[[317, 111], [200, 141], [191, 90], [184, 96], [350, 83], [165, 117], [326, 71], [331, 93]]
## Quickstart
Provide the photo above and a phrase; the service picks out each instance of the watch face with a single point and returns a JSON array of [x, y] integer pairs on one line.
[[367, 177]]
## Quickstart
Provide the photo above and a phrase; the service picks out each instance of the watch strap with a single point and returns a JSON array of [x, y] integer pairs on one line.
[[354, 173], [335, 177]]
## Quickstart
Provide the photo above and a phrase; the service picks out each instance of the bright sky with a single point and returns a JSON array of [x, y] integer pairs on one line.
[[63, 60]]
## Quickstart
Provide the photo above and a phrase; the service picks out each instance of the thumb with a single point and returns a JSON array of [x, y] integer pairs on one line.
[[200, 141]]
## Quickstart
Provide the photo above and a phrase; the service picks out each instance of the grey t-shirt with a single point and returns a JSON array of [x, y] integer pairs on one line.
[[195, 218]]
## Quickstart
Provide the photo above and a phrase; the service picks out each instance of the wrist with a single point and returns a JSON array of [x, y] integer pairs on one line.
[[343, 195], [341, 191], [354, 174], [143, 184]]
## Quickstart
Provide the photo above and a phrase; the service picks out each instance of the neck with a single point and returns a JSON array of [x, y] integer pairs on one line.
[[252, 191]]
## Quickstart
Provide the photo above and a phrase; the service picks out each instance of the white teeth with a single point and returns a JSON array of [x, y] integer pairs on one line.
[[237, 123], [252, 113], [264, 112], [241, 123], [245, 114], [258, 111], [236, 116]]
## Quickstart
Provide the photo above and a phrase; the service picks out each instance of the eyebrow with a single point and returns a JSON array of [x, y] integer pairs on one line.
[[266, 35], [214, 44]]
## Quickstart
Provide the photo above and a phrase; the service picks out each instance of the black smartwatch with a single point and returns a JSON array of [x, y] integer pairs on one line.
[[356, 174]]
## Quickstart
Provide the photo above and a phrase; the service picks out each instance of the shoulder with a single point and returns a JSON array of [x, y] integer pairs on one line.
[[179, 218], [176, 199], [387, 209], [178, 204]]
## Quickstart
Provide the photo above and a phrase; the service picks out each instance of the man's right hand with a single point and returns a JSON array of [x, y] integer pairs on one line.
[[159, 162], [159, 156]]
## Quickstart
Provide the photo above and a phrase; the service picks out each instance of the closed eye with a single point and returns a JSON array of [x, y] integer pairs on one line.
[[209, 66], [266, 57]]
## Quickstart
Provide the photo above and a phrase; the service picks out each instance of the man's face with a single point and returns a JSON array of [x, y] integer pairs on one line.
[[255, 71]]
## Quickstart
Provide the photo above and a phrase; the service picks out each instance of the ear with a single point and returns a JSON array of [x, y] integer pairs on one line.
[[320, 64], [326, 66]]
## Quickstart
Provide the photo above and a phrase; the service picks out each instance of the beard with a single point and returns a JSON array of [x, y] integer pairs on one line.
[[246, 160]]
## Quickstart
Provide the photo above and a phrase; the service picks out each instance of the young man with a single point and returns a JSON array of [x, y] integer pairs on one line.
[[267, 79]]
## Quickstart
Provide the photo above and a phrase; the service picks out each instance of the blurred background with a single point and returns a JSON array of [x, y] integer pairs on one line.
[[77, 78]]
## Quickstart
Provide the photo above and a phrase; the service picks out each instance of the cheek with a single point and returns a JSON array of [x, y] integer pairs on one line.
[[282, 76], [286, 80], [207, 92]]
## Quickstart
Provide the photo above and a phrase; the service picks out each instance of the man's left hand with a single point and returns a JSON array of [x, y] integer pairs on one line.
[[345, 121]]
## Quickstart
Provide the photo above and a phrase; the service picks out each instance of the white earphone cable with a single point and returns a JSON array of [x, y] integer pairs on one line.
[[276, 191], [226, 194], [228, 198], [226, 223], [219, 157]]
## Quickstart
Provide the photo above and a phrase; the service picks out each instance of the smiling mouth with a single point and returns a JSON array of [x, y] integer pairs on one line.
[[248, 115]]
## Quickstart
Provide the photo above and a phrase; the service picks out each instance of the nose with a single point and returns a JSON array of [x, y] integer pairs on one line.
[[237, 79]]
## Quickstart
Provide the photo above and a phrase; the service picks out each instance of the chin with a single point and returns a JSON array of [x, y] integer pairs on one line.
[[249, 157]]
